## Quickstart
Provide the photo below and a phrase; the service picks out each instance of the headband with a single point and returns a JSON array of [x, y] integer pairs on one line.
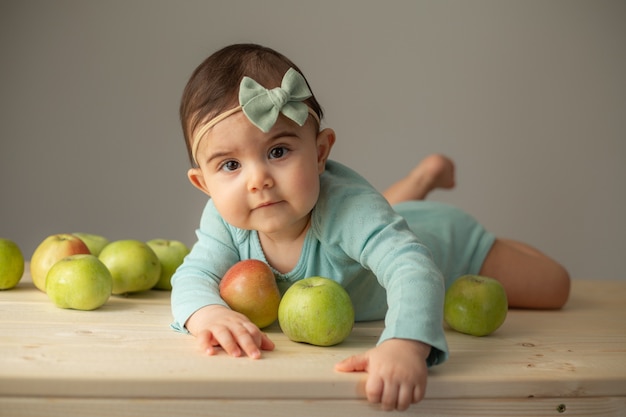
[[262, 106]]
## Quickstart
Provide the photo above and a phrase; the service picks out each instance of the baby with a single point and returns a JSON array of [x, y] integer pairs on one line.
[[253, 132]]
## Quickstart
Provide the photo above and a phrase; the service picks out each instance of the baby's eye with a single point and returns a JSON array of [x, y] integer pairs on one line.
[[278, 152], [230, 166]]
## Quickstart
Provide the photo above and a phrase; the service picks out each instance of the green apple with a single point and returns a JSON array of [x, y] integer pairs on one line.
[[171, 254], [475, 305], [133, 264], [79, 282], [11, 264], [317, 311], [249, 287], [51, 250], [95, 243]]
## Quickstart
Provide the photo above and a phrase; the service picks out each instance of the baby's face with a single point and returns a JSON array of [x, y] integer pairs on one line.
[[267, 182]]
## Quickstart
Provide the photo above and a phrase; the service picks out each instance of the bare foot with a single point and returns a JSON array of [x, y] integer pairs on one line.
[[434, 171], [437, 170]]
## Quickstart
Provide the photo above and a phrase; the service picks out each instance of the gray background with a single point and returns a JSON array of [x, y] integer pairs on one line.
[[528, 97]]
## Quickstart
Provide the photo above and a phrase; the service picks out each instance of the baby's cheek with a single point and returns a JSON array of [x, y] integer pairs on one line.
[[230, 208]]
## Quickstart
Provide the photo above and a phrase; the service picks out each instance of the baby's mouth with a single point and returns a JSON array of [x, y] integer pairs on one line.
[[266, 204]]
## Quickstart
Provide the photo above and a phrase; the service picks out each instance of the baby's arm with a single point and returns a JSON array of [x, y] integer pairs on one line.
[[196, 303], [397, 372], [216, 325]]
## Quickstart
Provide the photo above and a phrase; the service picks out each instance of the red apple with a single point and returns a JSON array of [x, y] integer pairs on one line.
[[50, 251], [94, 242], [249, 287]]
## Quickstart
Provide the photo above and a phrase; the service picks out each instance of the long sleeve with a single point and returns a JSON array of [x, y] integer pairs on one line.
[[355, 238], [368, 230], [196, 283]]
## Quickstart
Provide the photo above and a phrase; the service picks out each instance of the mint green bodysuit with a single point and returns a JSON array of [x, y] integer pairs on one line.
[[393, 269]]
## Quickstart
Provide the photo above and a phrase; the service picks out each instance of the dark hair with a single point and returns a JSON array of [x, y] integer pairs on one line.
[[214, 86]]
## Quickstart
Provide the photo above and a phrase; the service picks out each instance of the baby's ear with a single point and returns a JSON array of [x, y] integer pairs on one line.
[[325, 142], [197, 180]]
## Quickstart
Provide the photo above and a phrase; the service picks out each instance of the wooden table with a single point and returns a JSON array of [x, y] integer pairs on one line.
[[123, 360]]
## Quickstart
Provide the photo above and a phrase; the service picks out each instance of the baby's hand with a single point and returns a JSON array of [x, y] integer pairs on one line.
[[397, 372], [216, 325]]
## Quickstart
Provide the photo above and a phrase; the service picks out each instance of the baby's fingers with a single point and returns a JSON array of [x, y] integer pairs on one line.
[[409, 395], [236, 338], [390, 395], [374, 389], [356, 363], [206, 342], [266, 342], [251, 340], [229, 340]]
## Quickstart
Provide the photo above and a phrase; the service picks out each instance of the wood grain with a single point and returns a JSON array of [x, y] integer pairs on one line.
[[124, 360], [578, 407]]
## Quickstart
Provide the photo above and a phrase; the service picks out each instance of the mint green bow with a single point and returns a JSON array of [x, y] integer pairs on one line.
[[262, 106]]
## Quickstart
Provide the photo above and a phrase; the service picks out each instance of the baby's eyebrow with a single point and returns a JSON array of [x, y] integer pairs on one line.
[[216, 155], [284, 133]]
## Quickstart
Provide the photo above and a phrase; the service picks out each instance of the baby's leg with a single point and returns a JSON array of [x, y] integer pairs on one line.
[[435, 171], [530, 278]]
